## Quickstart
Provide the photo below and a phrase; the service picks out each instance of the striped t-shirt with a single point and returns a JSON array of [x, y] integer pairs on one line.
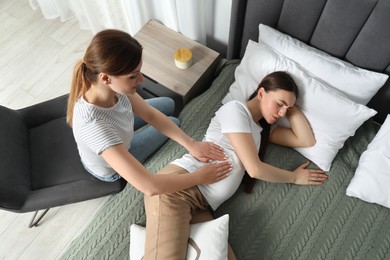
[[96, 129]]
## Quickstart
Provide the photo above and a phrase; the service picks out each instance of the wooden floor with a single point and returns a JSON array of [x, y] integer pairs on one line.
[[36, 63]]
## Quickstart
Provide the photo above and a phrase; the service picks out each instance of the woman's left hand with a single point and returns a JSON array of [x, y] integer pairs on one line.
[[207, 151], [305, 176]]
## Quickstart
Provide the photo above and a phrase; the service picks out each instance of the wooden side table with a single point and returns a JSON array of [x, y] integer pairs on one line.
[[162, 77]]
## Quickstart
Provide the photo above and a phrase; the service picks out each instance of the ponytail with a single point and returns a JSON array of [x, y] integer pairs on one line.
[[78, 88]]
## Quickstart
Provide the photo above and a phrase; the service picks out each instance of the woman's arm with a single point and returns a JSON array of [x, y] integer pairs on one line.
[[300, 133], [203, 151], [245, 148], [152, 184]]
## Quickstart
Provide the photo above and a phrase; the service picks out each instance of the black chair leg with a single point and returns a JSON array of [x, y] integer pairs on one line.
[[35, 222]]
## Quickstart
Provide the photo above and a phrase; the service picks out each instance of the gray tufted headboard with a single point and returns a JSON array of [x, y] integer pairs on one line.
[[357, 31]]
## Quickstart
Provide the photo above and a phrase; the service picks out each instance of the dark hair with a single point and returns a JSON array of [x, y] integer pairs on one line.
[[272, 82], [277, 80], [111, 51]]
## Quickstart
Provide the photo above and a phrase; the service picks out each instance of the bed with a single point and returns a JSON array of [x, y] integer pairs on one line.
[[282, 221]]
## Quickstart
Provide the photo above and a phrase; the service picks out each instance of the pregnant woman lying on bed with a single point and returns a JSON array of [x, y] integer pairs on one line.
[[236, 128]]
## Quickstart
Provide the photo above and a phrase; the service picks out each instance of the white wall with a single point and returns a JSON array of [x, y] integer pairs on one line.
[[219, 16]]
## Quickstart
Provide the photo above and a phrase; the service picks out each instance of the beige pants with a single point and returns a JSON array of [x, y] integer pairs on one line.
[[169, 217]]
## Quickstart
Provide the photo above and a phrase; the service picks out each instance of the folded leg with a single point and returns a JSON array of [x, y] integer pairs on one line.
[[168, 218]]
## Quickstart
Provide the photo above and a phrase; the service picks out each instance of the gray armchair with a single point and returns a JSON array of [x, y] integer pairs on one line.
[[40, 166]]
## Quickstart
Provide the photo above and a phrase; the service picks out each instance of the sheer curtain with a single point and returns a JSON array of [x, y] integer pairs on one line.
[[206, 21]]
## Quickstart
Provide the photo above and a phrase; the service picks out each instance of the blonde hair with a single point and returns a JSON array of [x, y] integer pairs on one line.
[[111, 51]]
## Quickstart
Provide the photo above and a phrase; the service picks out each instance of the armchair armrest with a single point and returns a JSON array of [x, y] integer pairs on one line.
[[43, 112]]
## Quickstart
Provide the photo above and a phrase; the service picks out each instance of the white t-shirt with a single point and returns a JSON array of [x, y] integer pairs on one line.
[[96, 129], [233, 117]]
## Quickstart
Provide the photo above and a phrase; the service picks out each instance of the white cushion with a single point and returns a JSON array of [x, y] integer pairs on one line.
[[358, 84], [372, 177], [211, 237], [332, 116]]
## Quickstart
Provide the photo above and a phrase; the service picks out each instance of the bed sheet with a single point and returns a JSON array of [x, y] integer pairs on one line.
[[285, 221]]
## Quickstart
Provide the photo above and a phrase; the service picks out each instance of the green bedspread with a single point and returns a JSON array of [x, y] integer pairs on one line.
[[275, 221]]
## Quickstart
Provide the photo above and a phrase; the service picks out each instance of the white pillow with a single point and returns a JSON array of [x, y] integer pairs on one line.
[[358, 84], [211, 237], [372, 177], [332, 116]]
